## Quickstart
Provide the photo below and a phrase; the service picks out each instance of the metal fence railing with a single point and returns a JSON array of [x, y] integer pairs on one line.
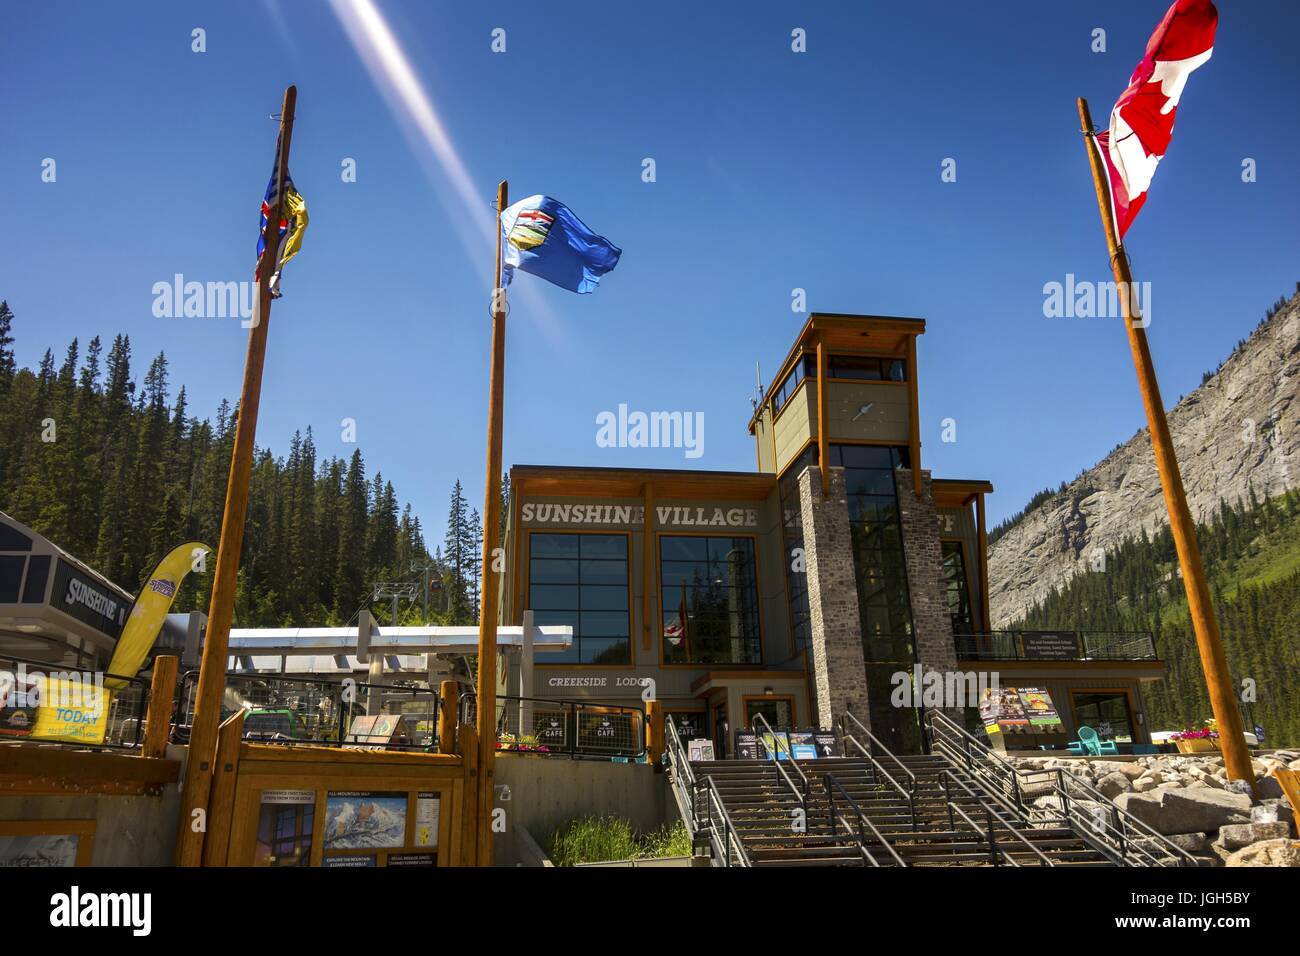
[[1056, 646], [570, 728], [32, 691], [321, 712]]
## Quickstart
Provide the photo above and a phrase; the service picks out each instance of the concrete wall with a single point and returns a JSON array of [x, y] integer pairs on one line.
[[129, 831], [547, 792]]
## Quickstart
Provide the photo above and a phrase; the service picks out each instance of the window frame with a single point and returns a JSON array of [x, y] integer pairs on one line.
[[659, 584], [631, 600]]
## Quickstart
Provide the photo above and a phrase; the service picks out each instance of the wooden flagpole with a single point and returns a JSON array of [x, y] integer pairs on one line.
[[1223, 700], [487, 626], [216, 644]]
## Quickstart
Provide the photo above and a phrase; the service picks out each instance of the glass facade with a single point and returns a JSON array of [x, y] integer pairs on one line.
[[884, 605], [582, 580], [956, 587], [709, 600], [884, 601]]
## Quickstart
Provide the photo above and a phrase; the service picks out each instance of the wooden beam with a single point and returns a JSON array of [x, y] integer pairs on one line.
[[986, 615], [648, 568], [162, 698], [914, 416], [221, 802], [823, 432], [31, 769], [448, 701], [469, 825]]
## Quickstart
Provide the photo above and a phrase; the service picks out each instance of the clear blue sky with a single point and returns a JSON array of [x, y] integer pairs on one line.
[[775, 170]]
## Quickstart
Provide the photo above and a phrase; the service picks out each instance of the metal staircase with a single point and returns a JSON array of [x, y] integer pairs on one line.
[[960, 805]]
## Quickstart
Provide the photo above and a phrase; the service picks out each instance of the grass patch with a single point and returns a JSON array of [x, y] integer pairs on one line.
[[597, 839]]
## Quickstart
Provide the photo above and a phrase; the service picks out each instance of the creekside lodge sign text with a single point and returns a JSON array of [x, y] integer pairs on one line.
[[666, 516]]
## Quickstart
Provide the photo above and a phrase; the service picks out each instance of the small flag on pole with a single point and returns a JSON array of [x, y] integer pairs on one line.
[[1142, 121], [541, 235], [292, 224]]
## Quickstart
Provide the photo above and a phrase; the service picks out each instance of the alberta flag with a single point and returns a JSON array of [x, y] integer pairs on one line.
[[293, 223], [541, 235]]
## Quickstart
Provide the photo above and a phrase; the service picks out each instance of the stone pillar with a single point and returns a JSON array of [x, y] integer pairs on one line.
[[839, 671], [931, 622]]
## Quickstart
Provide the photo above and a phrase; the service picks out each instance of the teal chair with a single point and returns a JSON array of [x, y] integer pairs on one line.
[[1092, 745]]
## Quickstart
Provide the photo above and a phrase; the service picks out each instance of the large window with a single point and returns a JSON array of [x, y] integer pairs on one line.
[[806, 367], [709, 598], [581, 580], [866, 368], [1106, 713], [884, 604], [954, 582]]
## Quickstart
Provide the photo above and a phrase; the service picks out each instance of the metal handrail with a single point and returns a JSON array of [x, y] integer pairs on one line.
[[801, 796], [713, 799], [908, 795], [992, 815], [683, 777], [994, 850], [994, 764], [1123, 843], [848, 715], [831, 785]]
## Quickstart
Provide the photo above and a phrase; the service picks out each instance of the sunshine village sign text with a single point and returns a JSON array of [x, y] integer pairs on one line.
[[666, 516]]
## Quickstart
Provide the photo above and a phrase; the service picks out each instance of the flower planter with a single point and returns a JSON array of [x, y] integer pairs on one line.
[[1197, 745]]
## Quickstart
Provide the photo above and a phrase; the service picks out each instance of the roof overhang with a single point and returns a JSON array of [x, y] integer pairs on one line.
[[669, 484], [843, 332]]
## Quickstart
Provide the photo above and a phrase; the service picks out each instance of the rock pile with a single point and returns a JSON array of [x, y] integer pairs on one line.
[[1189, 799]]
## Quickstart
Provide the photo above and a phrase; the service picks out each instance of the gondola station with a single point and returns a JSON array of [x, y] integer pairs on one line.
[[734, 650]]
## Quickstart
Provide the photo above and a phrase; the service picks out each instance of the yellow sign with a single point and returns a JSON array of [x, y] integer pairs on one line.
[[150, 610], [72, 709]]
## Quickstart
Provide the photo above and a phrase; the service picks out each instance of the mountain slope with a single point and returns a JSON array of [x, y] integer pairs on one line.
[[1234, 435]]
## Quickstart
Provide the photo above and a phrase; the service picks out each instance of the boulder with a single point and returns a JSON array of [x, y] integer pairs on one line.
[[1268, 788], [1184, 810], [1143, 784], [1267, 853], [1234, 836], [1191, 842], [1130, 769], [1113, 784]]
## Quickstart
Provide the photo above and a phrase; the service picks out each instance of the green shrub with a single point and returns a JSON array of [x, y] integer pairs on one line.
[[597, 839]]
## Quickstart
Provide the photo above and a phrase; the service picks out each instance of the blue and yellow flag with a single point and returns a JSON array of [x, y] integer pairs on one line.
[[541, 235], [292, 224]]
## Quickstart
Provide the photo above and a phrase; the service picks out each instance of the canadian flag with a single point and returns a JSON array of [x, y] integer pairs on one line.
[[1142, 121]]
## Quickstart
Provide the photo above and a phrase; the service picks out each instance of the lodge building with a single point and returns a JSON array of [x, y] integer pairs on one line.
[[805, 588]]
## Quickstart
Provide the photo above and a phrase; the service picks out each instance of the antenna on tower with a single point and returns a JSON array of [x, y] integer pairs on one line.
[[757, 399]]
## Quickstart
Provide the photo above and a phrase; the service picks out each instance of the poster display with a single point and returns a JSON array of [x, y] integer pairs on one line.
[[803, 745], [427, 811], [775, 746], [699, 749], [39, 850], [1023, 710], [358, 819], [284, 828]]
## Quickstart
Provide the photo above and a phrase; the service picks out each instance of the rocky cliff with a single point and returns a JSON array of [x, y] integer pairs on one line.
[[1236, 432]]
